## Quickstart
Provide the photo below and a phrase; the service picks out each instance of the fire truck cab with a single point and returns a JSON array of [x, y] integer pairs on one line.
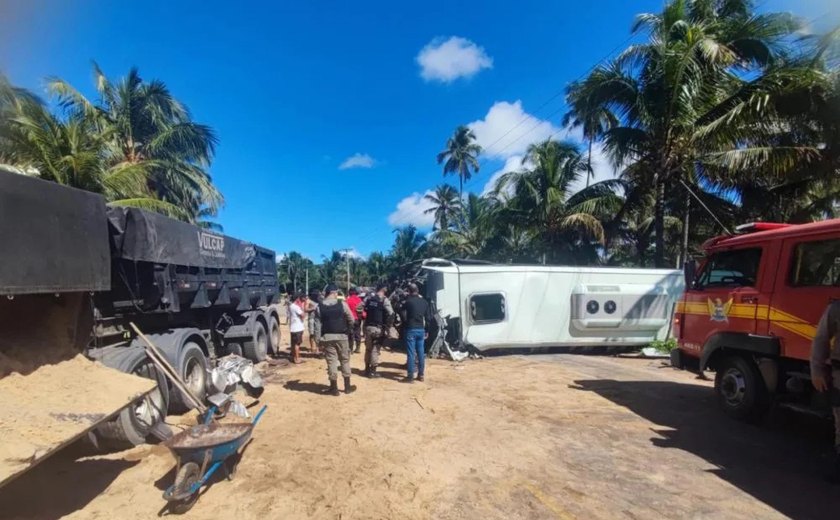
[[750, 311]]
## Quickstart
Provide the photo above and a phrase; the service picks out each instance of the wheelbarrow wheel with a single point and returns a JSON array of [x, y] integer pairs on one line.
[[187, 477]]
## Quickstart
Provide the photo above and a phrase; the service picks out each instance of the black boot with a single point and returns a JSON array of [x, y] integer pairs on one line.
[[367, 370], [334, 387], [348, 388], [373, 374]]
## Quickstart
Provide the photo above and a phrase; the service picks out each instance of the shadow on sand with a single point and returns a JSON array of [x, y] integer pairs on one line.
[[780, 463]]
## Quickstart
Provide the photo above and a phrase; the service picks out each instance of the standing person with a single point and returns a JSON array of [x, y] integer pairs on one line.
[[314, 325], [378, 317], [355, 336], [418, 315], [825, 372], [296, 327], [336, 321]]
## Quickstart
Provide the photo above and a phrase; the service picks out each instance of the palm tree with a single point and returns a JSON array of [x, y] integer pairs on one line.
[[775, 142], [460, 157], [70, 151], [543, 201], [473, 230], [446, 206], [694, 56], [409, 245], [591, 116], [145, 127], [378, 267]]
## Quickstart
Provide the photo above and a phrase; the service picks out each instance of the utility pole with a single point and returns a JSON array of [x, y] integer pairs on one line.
[[307, 280], [347, 263]]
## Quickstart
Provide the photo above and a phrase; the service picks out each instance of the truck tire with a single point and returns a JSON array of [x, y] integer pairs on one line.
[[256, 348], [274, 334], [133, 424], [192, 367], [740, 389]]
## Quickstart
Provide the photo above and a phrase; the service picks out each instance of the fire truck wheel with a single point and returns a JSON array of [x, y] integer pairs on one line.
[[740, 388]]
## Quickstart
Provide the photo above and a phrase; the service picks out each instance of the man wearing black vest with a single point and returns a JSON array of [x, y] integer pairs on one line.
[[336, 321], [379, 315]]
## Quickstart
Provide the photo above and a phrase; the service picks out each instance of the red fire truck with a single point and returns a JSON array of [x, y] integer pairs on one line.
[[750, 311]]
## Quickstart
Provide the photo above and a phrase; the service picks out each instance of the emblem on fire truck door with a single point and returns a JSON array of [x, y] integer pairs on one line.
[[719, 311]]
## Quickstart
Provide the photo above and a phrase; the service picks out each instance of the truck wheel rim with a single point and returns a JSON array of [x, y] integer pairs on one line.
[[262, 345], [194, 376], [148, 410], [275, 335], [733, 387]]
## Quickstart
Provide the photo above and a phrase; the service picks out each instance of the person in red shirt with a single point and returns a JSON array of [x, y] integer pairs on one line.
[[355, 335]]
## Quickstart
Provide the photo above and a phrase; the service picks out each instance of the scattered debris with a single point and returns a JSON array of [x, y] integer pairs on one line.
[[232, 370]]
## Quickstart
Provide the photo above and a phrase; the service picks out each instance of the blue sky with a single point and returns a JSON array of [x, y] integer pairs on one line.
[[298, 89]]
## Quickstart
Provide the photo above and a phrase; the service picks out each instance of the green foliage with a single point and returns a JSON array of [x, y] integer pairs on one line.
[[136, 144], [666, 345], [460, 157]]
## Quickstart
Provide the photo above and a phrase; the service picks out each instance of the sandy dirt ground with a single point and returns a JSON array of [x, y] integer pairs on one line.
[[515, 437]]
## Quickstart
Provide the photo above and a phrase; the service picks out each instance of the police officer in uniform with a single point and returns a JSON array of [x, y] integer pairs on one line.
[[336, 321], [379, 315], [825, 372]]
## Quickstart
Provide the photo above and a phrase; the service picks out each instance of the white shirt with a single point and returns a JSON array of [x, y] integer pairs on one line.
[[295, 318]]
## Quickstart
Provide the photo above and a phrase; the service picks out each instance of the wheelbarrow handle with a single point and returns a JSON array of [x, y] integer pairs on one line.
[[209, 414], [259, 414]]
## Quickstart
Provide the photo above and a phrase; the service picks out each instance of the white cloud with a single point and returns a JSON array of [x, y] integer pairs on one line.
[[358, 160], [411, 210], [446, 60], [507, 130], [354, 253]]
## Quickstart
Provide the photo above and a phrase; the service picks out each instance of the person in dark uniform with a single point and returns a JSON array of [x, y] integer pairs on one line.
[[379, 315], [825, 372], [417, 315], [336, 321]]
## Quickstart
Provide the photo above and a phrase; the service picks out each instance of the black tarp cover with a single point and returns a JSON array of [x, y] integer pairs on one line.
[[150, 237], [53, 239]]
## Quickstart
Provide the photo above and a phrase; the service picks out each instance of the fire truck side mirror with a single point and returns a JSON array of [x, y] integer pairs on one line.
[[689, 270]]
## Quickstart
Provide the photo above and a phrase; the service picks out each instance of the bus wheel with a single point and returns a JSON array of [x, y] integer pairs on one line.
[[740, 389]]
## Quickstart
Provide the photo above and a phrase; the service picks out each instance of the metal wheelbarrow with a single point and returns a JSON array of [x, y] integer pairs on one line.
[[199, 452]]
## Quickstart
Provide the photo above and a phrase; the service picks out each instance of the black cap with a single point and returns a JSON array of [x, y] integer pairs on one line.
[[331, 288]]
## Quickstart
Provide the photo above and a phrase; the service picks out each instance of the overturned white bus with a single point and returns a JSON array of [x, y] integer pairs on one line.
[[491, 307]]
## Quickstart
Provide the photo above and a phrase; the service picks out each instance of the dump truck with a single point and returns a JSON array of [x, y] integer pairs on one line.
[[75, 272], [750, 311]]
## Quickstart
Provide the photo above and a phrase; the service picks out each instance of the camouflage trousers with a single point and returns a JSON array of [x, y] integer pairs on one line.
[[374, 336], [336, 351]]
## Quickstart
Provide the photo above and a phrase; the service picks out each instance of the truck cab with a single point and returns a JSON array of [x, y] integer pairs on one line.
[[750, 311]]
